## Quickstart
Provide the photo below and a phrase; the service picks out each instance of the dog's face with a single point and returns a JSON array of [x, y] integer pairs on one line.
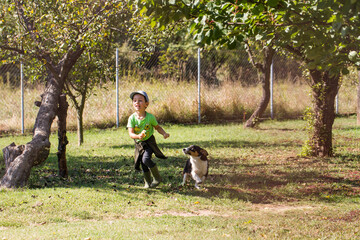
[[196, 151]]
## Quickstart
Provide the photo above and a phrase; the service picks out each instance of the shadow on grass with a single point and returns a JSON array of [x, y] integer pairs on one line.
[[257, 187], [246, 181], [348, 157], [218, 144], [255, 183], [115, 173]]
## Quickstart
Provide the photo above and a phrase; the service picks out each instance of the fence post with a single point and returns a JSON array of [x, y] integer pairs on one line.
[[337, 103], [22, 97], [117, 87], [199, 88], [271, 88]]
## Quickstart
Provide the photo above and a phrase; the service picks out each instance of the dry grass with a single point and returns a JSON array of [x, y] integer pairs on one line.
[[170, 102]]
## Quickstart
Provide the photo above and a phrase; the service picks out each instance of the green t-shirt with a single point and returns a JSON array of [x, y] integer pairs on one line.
[[147, 124]]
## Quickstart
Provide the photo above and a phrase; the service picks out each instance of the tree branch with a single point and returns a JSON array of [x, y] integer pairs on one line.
[[5, 47], [29, 26], [252, 61], [296, 51]]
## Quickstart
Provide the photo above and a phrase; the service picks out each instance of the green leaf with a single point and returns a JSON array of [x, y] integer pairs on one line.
[[273, 3], [153, 23], [258, 37], [345, 71], [353, 55], [232, 44], [203, 20], [192, 27]]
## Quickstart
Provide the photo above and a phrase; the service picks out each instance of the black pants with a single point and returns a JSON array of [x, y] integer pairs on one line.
[[146, 161]]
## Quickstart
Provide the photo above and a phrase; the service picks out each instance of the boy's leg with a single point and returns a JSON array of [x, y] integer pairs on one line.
[[146, 157], [147, 175], [146, 160], [147, 179], [157, 178]]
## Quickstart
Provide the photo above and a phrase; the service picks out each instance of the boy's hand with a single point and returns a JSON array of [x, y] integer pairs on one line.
[[142, 134], [166, 135]]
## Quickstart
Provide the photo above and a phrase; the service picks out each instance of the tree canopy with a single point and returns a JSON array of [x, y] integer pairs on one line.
[[321, 33], [47, 31], [54, 34], [321, 28]]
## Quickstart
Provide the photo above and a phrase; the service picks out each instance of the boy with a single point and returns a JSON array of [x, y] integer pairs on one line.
[[141, 125]]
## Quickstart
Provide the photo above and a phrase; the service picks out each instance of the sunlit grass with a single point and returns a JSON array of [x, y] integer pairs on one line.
[[257, 187]]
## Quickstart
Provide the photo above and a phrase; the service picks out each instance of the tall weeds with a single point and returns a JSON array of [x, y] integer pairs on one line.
[[170, 101]]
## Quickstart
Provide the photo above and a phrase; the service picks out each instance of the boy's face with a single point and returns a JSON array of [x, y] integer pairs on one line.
[[139, 102]]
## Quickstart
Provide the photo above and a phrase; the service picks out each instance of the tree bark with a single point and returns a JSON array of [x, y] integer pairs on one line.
[[79, 106], [63, 141], [264, 69], [11, 152], [325, 89], [358, 100], [37, 150], [80, 128]]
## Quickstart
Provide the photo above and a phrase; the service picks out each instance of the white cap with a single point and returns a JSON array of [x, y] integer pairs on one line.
[[141, 93]]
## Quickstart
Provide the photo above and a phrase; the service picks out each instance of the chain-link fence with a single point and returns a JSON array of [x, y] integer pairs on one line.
[[229, 89], [216, 66], [10, 73]]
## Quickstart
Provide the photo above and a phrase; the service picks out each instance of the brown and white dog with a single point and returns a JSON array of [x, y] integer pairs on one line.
[[197, 165]]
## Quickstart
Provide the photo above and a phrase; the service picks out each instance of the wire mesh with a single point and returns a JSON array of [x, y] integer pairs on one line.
[[230, 89]]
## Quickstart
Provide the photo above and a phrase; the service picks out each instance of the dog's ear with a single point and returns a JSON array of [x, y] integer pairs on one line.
[[203, 154]]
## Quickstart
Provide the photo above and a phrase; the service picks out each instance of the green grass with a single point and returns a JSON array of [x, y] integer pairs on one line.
[[258, 188]]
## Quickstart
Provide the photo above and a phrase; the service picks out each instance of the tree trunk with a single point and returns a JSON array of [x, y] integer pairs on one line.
[[63, 141], [37, 150], [11, 152], [264, 70], [80, 127], [80, 118], [358, 100], [324, 90], [79, 106]]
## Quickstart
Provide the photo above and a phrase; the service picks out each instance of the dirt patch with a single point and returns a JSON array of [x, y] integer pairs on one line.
[[352, 216], [280, 208], [272, 208], [203, 212]]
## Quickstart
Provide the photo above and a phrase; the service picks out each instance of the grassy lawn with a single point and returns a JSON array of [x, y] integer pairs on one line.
[[258, 188]]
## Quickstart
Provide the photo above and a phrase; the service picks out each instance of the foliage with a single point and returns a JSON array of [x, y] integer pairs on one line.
[[309, 117], [322, 34], [49, 31], [324, 31]]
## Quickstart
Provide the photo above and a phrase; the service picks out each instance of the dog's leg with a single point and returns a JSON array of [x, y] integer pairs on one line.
[[203, 179], [184, 179], [196, 177], [202, 182]]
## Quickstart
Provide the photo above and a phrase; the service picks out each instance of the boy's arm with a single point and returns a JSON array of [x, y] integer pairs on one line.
[[162, 131], [135, 136]]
